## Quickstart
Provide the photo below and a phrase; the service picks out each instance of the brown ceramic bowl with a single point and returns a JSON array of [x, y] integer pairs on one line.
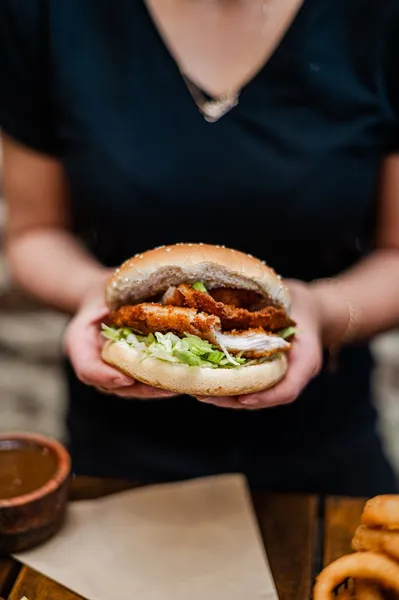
[[31, 518]]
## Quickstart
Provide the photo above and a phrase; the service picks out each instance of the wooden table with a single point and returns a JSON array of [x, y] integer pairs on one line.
[[301, 534]]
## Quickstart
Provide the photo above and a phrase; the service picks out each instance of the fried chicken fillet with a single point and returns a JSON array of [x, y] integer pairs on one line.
[[148, 318], [269, 318]]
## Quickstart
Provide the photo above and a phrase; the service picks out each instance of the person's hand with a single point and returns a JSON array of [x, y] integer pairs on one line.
[[305, 357], [83, 343]]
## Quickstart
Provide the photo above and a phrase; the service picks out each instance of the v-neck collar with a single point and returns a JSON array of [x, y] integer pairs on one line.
[[278, 48]]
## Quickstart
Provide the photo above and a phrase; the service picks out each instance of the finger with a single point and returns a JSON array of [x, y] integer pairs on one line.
[[305, 363], [283, 393], [89, 318], [97, 374], [95, 314], [84, 353], [148, 391], [143, 392], [103, 390], [222, 401], [91, 370]]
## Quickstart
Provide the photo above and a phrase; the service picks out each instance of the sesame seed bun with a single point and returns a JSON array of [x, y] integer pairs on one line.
[[148, 274]]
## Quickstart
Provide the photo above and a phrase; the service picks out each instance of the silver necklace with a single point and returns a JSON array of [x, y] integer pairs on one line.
[[215, 109]]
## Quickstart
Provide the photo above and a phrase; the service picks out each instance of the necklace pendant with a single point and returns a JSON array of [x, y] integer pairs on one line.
[[213, 110]]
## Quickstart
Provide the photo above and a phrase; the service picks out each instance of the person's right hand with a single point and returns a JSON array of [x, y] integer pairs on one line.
[[83, 343]]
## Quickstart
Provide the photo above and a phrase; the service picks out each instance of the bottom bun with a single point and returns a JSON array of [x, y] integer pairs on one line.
[[195, 381]]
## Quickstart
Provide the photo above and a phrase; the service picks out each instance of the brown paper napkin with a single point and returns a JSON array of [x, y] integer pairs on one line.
[[197, 540]]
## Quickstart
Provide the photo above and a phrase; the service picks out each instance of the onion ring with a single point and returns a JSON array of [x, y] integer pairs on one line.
[[376, 540], [382, 511], [363, 565]]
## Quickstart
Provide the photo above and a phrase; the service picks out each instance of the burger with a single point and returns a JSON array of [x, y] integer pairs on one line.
[[198, 319]]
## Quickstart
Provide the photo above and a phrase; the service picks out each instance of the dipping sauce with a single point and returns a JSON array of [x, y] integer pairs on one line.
[[24, 469]]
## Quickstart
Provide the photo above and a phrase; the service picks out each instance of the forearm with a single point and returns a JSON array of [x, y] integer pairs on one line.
[[51, 265], [366, 298]]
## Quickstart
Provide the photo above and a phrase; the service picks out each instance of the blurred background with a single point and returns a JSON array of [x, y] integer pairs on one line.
[[32, 394]]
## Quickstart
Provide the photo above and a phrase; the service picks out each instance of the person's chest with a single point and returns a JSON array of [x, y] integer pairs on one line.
[[301, 151], [220, 46]]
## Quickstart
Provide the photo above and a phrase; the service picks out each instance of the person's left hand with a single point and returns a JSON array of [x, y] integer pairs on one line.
[[305, 357]]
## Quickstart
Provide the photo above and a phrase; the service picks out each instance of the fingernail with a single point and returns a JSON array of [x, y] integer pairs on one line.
[[123, 381], [252, 401]]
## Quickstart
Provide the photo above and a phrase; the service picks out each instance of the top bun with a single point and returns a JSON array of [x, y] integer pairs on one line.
[[151, 273]]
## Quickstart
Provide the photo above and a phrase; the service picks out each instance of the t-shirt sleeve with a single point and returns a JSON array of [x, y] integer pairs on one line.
[[26, 107], [391, 75]]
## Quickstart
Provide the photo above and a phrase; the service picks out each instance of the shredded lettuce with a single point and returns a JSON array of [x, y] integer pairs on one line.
[[287, 332], [114, 335], [190, 350], [200, 287]]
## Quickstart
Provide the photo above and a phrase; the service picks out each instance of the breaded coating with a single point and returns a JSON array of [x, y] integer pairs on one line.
[[149, 318], [238, 298], [269, 318]]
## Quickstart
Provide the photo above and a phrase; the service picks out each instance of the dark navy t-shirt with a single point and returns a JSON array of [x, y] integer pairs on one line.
[[289, 175]]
